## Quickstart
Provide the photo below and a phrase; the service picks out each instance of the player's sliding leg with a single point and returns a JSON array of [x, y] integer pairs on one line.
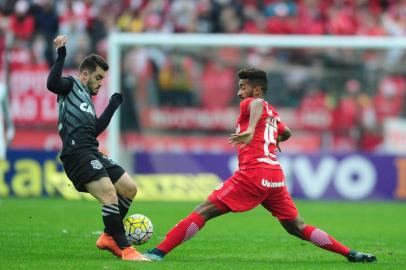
[[323, 240], [181, 232], [125, 186], [111, 227], [185, 230], [104, 239], [104, 191], [281, 205], [114, 226]]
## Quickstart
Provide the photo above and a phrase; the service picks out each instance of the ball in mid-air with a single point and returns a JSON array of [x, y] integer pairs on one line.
[[138, 229]]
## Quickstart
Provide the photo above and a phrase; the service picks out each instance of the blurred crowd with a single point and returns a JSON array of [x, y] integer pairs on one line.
[[88, 22], [359, 88]]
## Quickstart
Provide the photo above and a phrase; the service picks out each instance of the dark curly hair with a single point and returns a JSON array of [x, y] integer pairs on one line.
[[91, 62], [255, 77]]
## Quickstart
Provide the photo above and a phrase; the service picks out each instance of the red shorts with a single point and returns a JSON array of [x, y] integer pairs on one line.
[[250, 187]]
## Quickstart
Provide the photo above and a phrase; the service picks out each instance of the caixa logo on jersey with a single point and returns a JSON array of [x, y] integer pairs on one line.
[[86, 108]]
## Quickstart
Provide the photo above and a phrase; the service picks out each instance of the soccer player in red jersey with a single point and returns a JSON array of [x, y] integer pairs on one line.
[[259, 180]]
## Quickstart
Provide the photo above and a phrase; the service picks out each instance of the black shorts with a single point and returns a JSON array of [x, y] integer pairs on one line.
[[90, 166]]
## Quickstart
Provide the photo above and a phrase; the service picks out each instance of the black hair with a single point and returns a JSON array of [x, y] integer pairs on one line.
[[255, 77], [91, 62]]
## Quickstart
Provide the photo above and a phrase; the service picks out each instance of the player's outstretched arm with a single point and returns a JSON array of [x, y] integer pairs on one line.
[[245, 137], [103, 121], [55, 82]]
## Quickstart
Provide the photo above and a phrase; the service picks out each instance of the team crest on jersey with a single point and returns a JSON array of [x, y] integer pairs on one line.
[[96, 164], [86, 108]]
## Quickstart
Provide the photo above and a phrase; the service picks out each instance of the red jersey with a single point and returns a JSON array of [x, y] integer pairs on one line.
[[261, 151]]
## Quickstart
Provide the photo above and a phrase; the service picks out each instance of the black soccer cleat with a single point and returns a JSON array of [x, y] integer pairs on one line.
[[154, 254], [356, 256]]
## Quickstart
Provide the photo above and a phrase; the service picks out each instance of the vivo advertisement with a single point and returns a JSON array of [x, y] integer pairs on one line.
[[319, 176], [189, 176]]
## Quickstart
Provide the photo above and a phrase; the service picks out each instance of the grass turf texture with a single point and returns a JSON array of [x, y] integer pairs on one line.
[[60, 234]]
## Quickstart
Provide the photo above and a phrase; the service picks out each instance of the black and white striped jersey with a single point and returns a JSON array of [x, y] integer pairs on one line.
[[77, 120]]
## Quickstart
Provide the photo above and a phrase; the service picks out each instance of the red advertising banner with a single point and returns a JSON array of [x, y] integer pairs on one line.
[[49, 140], [301, 142], [225, 118], [190, 118], [32, 104]]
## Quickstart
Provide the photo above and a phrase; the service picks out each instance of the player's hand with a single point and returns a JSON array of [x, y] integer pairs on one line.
[[116, 99], [277, 146], [60, 41], [241, 139]]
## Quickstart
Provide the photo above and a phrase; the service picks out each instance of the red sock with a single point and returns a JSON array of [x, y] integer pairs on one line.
[[182, 232], [323, 240]]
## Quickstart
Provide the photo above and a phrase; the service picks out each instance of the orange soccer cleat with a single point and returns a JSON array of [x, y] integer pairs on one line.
[[131, 254], [106, 242]]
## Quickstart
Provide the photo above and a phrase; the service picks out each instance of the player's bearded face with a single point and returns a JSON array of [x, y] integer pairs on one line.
[[245, 89], [95, 80]]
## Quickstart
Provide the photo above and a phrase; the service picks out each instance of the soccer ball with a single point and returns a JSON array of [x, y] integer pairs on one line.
[[138, 229]]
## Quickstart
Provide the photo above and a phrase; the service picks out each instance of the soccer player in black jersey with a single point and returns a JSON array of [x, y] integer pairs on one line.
[[88, 169]]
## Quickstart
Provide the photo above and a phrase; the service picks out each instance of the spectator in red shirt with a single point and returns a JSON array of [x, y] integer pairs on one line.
[[312, 17], [342, 20], [254, 20], [369, 24], [314, 110], [347, 111], [21, 22], [347, 117], [389, 100], [217, 77]]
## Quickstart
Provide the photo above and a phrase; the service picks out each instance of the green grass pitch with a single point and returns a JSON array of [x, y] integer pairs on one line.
[[60, 234]]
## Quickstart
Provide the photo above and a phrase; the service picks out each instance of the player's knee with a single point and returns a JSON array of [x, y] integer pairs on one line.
[[294, 227], [132, 192], [208, 210], [295, 231], [126, 187], [299, 227]]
